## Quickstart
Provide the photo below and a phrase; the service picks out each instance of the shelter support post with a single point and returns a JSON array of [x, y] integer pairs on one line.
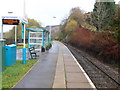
[[45, 37], [43, 43], [24, 48], [15, 35], [48, 37], [28, 39]]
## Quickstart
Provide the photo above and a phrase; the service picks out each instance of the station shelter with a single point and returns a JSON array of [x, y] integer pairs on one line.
[[37, 37]]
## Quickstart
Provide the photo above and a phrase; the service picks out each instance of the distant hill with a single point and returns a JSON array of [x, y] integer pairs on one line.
[[53, 26]]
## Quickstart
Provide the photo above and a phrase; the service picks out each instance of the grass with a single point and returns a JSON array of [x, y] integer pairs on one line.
[[0, 80], [20, 47], [14, 73]]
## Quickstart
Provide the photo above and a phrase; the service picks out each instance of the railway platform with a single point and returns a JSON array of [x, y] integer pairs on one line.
[[56, 68]]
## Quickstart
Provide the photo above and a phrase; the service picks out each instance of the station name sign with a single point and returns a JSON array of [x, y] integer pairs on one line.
[[25, 20], [10, 21]]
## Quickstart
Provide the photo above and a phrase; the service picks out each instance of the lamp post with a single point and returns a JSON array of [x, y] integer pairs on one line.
[[24, 22], [15, 42], [50, 27]]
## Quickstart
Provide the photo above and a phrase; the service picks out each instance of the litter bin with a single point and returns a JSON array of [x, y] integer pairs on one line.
[[2, 55], [10, 54]]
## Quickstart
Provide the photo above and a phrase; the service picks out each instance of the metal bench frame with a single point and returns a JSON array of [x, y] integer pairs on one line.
[[33, 52]]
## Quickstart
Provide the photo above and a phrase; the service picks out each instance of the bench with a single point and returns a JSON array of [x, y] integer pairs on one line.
[[33, 53]]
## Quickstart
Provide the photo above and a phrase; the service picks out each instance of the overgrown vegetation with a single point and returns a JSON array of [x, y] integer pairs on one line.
[[14, 73], [96, 32], [99, 44]]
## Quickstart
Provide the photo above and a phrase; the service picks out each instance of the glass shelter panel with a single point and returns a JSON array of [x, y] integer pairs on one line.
[[36, 39]]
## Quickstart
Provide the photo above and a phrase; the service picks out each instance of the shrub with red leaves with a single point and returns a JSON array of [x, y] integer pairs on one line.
[[98, 43]]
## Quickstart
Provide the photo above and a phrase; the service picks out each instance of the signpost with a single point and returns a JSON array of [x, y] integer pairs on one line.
[[9, 20], [24, 21]]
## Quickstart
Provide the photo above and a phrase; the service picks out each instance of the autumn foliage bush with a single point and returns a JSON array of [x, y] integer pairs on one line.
[[100, 44]]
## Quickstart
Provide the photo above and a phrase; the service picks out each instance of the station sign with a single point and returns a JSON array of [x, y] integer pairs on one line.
[[25, 20], [10, 21]]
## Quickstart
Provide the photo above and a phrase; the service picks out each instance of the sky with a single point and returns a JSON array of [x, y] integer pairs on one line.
[[43, 10]]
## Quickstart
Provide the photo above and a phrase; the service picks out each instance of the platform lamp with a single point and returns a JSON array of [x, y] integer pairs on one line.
[[50, 29]]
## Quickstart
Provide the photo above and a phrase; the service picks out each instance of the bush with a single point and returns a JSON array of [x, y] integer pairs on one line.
[[47, 46], [42, 49], [100, 44]]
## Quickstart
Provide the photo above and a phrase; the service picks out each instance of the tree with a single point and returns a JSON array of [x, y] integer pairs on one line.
[[71, 26], [77, 15], [71, 23], [115, 25], [102, 14], [33, 22], [87, 17], [62, 33]]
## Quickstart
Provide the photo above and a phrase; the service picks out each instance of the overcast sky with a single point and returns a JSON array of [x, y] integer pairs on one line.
[[43, 10]]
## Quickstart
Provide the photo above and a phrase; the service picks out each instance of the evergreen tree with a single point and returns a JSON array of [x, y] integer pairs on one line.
[[102, 14]]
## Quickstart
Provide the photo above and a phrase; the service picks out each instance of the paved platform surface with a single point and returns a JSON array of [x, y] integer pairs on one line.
[[56, 68]]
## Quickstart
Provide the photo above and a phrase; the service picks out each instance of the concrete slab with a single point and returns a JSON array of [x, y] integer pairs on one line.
[[76, 78], [79, 85], [68, 56], [70, 63], [72, 69]]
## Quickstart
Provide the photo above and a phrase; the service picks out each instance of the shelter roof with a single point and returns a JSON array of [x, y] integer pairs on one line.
[[36, 29]]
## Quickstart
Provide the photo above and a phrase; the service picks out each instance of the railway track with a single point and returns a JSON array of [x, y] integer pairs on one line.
[[101, 77]]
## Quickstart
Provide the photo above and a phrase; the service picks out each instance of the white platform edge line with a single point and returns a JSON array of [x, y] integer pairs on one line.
[[25, 74], [89, 80]]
